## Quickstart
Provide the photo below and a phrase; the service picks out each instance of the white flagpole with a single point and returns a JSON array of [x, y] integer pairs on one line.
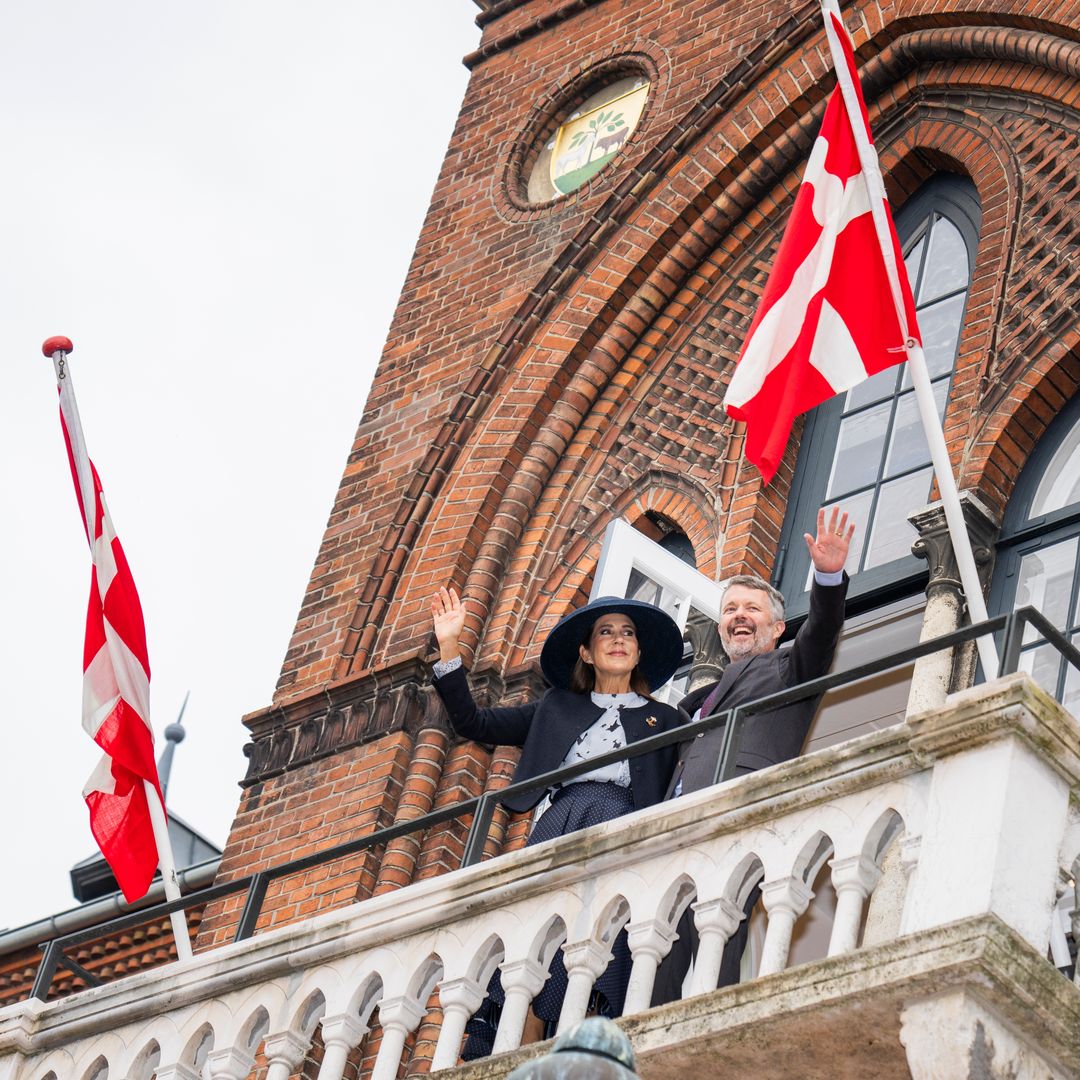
[[920, 376], [166, 861]]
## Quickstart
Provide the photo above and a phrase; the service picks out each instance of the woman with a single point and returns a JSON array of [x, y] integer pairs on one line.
[[603, 661]]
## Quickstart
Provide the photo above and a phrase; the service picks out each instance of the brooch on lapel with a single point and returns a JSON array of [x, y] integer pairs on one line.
[[651, 721]]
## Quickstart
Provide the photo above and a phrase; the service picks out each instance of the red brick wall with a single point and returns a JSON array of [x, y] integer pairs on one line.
[[109, 958]]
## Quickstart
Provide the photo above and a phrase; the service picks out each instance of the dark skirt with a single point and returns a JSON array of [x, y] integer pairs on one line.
[[576, 806]]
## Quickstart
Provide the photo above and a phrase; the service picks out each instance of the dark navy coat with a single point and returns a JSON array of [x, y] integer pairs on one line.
[[546, 729]]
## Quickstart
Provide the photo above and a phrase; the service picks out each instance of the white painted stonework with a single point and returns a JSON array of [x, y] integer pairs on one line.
[[976, 801]]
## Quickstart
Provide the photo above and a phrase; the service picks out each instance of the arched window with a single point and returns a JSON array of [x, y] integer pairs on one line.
[[1038, 560], [865, 450]]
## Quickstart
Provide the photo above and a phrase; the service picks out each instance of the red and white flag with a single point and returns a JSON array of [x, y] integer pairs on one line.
[[116, 679], [828, 317]]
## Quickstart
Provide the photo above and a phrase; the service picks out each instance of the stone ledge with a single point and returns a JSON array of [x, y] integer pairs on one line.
[[1012, 705], [839, 1018]]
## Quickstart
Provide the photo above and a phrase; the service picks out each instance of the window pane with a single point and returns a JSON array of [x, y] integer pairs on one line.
[[1060, 484], [946, 263], [858, 450], [641, 587], [892, 534], [939, 325], [1045, 581], [908, 448], [1043, 665], [913, 260], [881, 385]]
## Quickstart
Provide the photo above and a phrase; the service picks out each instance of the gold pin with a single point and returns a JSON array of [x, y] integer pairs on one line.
[[651, 721]]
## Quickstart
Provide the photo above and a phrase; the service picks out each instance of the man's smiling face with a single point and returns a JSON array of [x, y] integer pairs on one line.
[[747, 626]]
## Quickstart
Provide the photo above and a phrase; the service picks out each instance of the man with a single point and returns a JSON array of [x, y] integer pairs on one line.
[[751, 625]]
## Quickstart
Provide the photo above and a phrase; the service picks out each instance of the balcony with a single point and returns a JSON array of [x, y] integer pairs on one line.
[[945, 841]]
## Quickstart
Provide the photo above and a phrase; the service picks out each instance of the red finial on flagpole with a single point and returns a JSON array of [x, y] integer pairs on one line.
[[57, 344]]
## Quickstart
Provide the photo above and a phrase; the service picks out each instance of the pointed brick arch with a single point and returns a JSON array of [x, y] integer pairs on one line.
[[534, 599]]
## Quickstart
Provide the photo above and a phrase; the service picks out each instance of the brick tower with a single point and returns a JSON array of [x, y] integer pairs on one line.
[[559, 356]]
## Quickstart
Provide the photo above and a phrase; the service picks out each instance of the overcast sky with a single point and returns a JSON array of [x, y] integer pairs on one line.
[[217, 201]]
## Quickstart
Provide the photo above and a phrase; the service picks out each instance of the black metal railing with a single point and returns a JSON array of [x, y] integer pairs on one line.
[[482, 807]]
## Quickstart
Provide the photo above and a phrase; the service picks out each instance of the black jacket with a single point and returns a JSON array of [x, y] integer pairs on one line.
[[777, 735], [546, 729]]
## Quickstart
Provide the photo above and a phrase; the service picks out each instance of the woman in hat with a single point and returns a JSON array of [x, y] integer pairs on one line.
[[602, 661]]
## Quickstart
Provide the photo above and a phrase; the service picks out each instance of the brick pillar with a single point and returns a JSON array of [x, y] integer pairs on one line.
[[417, 797]]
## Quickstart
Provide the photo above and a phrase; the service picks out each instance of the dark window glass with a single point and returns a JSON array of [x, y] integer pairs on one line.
[[1038, 562]]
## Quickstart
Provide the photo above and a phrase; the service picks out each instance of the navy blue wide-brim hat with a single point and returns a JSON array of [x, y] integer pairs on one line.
[[659, 639]]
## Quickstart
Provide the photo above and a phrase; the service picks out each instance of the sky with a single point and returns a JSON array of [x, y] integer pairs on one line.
[[217, 201]]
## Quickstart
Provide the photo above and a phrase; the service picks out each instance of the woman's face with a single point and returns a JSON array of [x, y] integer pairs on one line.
[[613, 646]]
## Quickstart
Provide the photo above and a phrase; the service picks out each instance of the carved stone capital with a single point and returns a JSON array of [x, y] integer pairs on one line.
[[935, 546]]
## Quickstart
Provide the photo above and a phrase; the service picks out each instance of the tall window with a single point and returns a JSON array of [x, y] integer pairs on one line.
[[866, 450], [1038, 559]]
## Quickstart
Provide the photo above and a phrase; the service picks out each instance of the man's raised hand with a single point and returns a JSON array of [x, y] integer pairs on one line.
[[829, 549]]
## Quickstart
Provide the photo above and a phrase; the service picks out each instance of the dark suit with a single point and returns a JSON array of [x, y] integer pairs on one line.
[[777, 735], [546, 729], [767, 738]]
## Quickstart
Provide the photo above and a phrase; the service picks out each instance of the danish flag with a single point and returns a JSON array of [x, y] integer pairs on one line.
[[116, 673], [828, 317]]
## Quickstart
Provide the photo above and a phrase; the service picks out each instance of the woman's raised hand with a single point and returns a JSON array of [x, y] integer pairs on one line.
[[448, 617]]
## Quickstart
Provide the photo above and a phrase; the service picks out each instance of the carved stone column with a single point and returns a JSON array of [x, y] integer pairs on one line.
[[285, 1052], [942, 672], [853, 879], [232, 1063], [522, 980], [398, 1016], [585, 962], [177, 1072], [716, 921], [650, 941], [785, 900], [341, 1034], [459, 999]]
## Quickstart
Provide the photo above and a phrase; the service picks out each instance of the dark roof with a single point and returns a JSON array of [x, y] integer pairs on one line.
[[92, 878]]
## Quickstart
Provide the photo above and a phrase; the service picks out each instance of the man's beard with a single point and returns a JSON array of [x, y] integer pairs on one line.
[[739, 648]]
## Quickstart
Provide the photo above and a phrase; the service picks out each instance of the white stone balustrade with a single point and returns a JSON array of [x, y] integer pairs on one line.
[[977, 794]]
